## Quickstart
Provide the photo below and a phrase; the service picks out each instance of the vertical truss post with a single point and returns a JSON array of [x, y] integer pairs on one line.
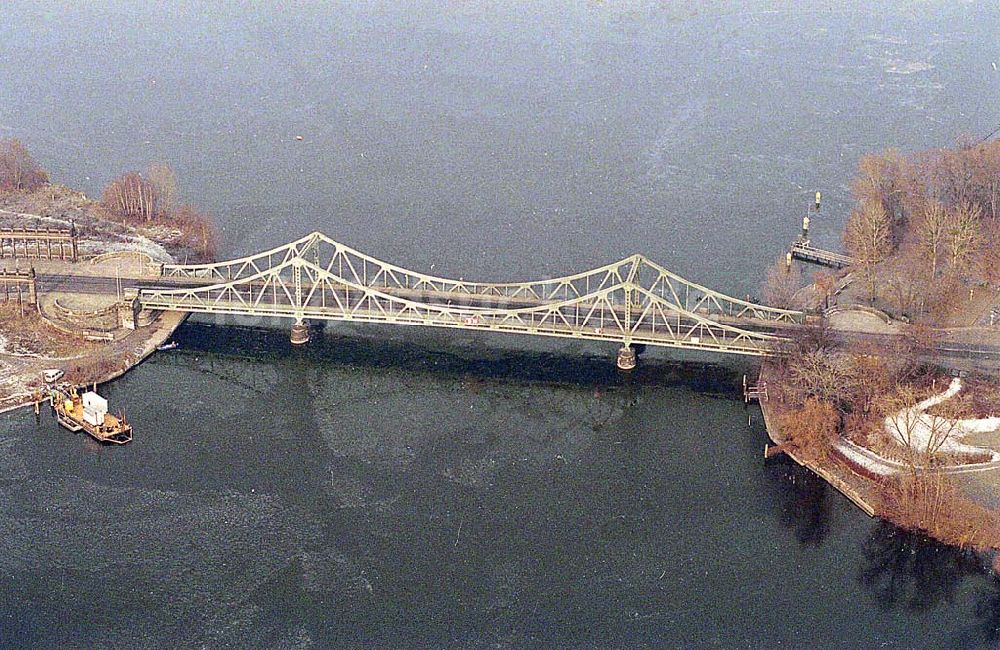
[[630, 286], [297, 274], [300, 332], [628, 315]]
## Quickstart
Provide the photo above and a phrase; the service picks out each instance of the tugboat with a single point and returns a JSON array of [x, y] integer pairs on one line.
[[89, 412]]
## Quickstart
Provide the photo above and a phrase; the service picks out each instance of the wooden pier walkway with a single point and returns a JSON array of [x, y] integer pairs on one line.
[[806, 252]]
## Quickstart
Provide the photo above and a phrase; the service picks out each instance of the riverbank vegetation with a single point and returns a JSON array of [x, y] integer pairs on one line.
[[925, 238], [149, 199], [827, 397], [136, 202], [18, 169], [926, 229]]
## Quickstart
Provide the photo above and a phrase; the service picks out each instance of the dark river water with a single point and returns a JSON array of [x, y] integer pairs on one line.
[[399, 488]]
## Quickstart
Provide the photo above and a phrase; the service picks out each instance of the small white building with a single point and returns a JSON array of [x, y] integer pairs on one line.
[[95, 408]]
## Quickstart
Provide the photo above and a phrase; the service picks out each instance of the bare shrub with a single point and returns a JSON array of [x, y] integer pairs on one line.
[[18, 169], [810, 429], [781, 283]]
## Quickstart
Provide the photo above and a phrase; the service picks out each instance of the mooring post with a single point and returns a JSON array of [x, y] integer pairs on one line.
[[770, 452]]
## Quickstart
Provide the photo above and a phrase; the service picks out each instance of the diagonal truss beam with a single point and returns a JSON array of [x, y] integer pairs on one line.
[[368, 271], [633, 300]]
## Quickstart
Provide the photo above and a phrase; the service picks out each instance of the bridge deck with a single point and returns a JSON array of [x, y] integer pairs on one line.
[[684, 335], [631, 300]]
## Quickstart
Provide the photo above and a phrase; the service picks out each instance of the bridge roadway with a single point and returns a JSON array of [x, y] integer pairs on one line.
[[92, 284], [105, 285], [481, 311]]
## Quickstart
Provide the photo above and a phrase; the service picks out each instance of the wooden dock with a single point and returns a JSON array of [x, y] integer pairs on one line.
[[754, 391], [804, 251]]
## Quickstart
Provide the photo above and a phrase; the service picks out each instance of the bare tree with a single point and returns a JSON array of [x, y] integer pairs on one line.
[[18, 169], [922, 437], [884, 180], [870, 375], [825, 283], [986, 177], [822, 374], [197, 230], [931, 232], [783, 280], [988, 259], [868, 238], [904, 279], [903, 418], [131, 197], [963, 236], [162, 176]]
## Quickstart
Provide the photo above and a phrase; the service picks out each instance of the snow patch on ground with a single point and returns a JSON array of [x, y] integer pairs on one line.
[[13, 349], [867, 459], [133, 243], [914, 427], [39, 217]]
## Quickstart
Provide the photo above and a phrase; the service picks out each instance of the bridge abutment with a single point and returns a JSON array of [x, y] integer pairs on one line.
[[626, 358], [128, 309], [300, 333]]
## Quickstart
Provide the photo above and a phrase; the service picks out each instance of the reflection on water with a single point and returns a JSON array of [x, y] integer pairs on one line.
[[392, 488], [363, 492], [988, 610], [802, 498], [908, 570]]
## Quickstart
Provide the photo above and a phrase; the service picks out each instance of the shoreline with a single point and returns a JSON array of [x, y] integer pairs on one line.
[[839, 483], [160, 331], [100, 239]]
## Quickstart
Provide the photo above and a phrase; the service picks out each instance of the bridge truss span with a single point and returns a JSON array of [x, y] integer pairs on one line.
[[630, 301]]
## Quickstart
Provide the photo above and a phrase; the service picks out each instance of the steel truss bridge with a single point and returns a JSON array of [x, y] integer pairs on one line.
[[633, 301]]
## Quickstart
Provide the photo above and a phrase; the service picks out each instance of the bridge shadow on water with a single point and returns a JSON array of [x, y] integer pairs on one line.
[[900, 573], [440, 356]]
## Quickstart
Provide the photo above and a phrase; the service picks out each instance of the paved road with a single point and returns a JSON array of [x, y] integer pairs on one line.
[[944, 352], [107, 285]]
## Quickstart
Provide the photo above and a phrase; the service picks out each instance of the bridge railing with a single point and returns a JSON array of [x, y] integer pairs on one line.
[[622, 311], [364, 270]]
